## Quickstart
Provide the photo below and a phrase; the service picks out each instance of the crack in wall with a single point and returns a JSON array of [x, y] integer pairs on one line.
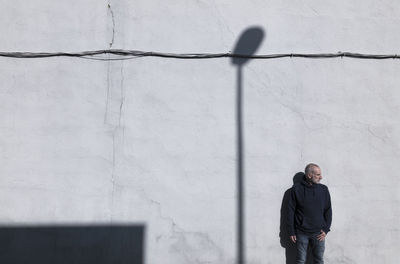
[[278, 98], [222, 23], [113, 117], [116, 129], [122, 94], [367, 129], [223, 26], [108, 91], [188, 250], [375, 135], [113, 23], [113, 179]]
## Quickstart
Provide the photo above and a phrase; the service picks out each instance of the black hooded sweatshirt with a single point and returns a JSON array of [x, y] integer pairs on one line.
[[309, 208]]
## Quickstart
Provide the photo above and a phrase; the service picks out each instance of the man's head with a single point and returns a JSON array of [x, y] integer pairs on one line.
[[313, 173]]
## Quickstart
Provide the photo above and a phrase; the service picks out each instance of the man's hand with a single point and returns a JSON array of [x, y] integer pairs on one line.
[[293, 238], [321, 236]]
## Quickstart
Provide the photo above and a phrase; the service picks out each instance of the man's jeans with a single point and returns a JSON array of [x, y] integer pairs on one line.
[[317, 248]]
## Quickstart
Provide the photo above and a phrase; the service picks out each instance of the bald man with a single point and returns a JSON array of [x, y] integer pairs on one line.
[[309, 215]]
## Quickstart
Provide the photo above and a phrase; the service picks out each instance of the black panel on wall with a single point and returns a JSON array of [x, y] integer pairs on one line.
[[116, 244]]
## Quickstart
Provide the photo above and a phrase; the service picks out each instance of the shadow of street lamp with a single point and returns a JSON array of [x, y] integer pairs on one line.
[[247, 45]]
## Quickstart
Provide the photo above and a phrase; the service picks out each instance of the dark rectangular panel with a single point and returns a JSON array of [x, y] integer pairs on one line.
[[72, 245]]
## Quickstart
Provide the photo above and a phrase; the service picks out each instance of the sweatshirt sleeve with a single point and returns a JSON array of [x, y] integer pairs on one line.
[[290, 214], [328, 212]]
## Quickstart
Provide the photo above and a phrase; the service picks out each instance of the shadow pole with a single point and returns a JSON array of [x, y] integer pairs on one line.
[[247, 45], [240, 158]]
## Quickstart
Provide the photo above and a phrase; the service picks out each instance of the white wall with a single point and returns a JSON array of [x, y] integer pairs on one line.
[[152, 140]]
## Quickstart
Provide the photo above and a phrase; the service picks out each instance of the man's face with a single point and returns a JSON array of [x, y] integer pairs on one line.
[[315, 176]]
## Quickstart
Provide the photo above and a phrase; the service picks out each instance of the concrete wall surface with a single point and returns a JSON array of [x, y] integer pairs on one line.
[[152, 141]]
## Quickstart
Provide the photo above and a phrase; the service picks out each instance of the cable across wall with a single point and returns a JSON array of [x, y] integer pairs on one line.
[[120, 54]]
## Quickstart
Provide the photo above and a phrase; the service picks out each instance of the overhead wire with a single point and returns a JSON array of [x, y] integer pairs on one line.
[[120, 54]]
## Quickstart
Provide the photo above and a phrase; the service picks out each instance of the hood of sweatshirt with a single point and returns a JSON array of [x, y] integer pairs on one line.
[[310, 207], [309, 189]]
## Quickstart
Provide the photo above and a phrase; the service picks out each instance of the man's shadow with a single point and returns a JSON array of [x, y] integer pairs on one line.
[[290, 247]]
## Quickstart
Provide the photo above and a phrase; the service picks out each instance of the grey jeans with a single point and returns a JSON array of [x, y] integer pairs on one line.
[[317, 248]]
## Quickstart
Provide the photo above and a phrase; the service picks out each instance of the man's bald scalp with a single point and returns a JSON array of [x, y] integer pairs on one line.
[[310, 168]]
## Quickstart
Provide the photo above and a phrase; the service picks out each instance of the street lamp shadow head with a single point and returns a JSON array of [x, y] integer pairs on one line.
[[247, 45]]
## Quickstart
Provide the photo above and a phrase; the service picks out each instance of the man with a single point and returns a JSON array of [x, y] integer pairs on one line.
[[309, 215]]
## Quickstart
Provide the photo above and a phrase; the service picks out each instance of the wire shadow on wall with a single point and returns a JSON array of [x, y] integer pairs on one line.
[[90, 244], [247, 44]]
